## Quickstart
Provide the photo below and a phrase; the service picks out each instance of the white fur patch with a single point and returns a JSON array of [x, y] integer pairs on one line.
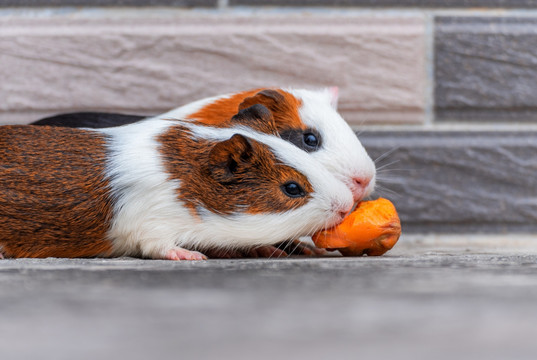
[[147, 219], [341, 151]]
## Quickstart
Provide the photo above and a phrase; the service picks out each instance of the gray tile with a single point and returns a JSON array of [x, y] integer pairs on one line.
[[181, 3], [458, 182], [394, 3], [262, 309], [486, 69]]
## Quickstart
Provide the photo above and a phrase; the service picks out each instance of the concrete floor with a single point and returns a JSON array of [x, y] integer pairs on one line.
[[428, 298]]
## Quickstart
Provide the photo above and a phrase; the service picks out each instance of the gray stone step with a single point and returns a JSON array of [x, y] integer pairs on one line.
[[435, 306], [458, 181]]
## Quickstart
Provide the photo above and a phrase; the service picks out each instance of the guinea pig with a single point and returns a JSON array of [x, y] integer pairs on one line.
[[161, 189], [308, 119]]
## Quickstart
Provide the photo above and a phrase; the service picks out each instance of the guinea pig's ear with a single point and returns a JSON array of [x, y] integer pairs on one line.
[[333, 96], [267, 97], [229, 157], [257, 117]]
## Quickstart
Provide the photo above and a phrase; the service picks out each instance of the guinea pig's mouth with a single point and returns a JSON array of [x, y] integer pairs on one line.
[[339, 217]]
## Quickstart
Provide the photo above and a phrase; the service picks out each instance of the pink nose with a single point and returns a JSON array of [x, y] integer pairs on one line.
[[359, 184]]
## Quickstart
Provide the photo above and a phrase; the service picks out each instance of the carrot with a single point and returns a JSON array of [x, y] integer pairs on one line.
[[371, 229]]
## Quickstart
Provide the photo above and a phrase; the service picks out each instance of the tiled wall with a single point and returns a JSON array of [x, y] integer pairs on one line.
[[151, 64], [447, 87], [396, 62], [486, 68]]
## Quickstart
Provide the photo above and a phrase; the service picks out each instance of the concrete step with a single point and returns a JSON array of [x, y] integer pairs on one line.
[[437, 306]]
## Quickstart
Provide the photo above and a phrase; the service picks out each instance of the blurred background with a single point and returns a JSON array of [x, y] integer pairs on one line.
[[442, 93]]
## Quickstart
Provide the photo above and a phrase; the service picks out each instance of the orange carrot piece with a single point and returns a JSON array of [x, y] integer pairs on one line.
[[371, 229]]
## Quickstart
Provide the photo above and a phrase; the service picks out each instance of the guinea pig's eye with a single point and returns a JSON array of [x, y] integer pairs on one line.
[[292, 189], [311, 139], [308, 140]]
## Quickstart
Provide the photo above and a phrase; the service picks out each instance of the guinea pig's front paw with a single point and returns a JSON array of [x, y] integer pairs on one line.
[[266, 251], [183, 254], [297, 247], [224, 253], [1, 256]]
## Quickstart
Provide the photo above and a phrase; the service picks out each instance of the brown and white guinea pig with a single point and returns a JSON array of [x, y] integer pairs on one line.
[[160, 189], [308, 119]]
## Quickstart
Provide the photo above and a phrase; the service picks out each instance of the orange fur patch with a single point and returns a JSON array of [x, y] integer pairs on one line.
[[54, 198], [284, 108]]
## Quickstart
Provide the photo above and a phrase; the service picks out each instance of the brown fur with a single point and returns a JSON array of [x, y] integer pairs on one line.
[[232, 176], [282, 104], [54, 199], [256, 117]]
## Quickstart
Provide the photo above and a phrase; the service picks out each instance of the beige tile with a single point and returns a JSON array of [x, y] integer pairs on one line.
[[52, 65]]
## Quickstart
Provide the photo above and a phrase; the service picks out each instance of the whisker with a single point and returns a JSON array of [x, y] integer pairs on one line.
[[274, 252], [295, 248], [383, 189], [288, 243], [388, 164], [387, 153], [389, 181], [383, 170], [362, 127]]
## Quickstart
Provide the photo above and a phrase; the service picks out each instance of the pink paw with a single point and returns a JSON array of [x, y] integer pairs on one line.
[[1, 256], [183, 254]]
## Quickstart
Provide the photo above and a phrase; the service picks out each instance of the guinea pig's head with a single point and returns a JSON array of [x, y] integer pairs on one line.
[[309, 120], [249, 188]]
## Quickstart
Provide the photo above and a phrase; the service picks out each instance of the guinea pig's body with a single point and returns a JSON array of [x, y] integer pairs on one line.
[[158, 189], [93, 120], [308, 119], [53, 192]]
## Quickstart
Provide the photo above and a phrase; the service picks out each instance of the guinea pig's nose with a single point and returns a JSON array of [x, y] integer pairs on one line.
[[361, 181], [358, 186]]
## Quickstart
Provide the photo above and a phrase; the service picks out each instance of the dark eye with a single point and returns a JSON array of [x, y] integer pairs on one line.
[[308, 140], [292, 189], [311, 140]]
